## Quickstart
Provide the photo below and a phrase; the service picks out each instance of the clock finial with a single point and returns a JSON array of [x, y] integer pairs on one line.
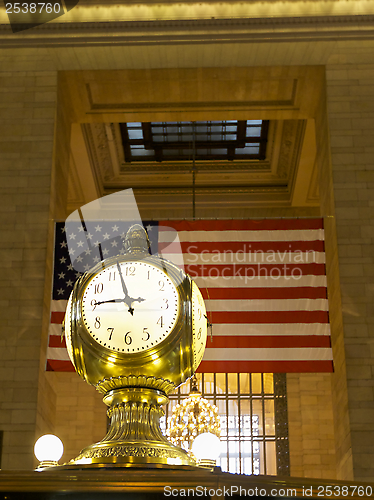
[[136, 240]]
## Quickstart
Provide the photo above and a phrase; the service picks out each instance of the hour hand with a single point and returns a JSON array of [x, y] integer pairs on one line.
[[126, 300], [111, 300]]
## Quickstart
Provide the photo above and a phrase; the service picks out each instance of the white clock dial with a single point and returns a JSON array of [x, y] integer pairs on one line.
[[130, 307], [199, 326]]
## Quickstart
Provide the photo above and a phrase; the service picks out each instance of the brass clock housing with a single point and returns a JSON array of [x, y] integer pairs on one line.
[[95, 362], [136, 384]]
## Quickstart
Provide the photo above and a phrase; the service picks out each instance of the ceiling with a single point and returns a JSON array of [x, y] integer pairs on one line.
[[287, 177]]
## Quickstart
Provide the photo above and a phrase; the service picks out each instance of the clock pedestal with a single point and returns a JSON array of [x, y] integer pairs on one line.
[[134, 436], [136, 355]]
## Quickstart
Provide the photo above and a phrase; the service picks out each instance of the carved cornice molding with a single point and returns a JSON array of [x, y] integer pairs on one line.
[[76, 195], [256, 29], [218, 165], [205, 190], [292, 139], [313, 192], [98, 149], [258, 178]]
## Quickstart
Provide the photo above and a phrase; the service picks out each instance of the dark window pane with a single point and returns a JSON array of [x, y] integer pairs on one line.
[[136, 134], [250, 150], [253, 131]]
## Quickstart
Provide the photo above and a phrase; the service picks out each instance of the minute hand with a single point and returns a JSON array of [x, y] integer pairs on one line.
[[127, 300], [124, 288]]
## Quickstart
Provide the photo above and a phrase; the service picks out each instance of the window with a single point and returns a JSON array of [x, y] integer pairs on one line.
[[181, 141], [253, 413]]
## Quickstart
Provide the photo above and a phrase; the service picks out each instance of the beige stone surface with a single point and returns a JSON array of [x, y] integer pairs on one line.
[[311, 429], [43, 90], [354, 223], [80, 418], [26, 145]]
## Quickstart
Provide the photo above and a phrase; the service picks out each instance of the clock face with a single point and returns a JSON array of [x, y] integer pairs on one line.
[[130, 307], [199, 326]]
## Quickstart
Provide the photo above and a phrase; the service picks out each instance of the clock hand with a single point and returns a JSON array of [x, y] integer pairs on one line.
[[124, 288], [111, 300], [132, 300], [139, 299], [127, 299]]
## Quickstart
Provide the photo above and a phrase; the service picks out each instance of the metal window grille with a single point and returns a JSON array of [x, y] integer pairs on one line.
[[180, 141], [253, 413]]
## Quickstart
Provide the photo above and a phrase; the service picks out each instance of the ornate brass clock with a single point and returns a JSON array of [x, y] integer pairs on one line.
[[135, 328]]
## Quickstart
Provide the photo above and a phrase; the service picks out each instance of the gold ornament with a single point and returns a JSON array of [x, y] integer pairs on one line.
[[194, 416], [135, 328]]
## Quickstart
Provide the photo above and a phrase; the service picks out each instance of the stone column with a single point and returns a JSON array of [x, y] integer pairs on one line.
[[27, 119], [350, 106]]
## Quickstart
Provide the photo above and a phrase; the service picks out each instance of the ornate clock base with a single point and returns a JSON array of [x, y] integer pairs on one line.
[[132, 453], [134, 437]]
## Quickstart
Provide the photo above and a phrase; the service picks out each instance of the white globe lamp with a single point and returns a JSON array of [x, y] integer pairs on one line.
[[48, 450], [206, 449]]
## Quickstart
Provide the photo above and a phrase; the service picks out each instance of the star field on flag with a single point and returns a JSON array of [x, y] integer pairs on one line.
[[87, 244]]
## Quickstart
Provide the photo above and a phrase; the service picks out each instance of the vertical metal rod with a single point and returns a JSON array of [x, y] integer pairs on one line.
[[227, 422], [251, 420], [193, 173], [263, 423], [241, 467]]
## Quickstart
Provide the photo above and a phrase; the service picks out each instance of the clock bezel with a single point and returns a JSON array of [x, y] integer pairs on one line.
[[204, 334], [176, 276], [97, 318]]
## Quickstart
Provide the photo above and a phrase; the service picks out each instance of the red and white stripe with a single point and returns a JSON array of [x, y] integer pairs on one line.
[[264, 284]]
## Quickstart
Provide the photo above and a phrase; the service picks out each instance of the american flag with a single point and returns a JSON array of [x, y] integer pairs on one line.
[[263, 281]]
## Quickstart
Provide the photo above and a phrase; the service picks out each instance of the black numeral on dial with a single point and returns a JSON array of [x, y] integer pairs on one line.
[[146, 332], [130, 271]]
